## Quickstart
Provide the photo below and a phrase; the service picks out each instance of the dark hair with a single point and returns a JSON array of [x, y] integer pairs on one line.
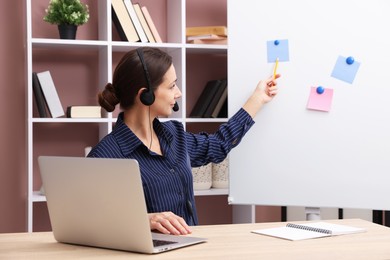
[[129, 77]]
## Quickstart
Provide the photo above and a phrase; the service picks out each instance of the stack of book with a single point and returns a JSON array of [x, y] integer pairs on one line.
[[46, 96], [212, 102], [133, 22], [49, 104], [207, 35]]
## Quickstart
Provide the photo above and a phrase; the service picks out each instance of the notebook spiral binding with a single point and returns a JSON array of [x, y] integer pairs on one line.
[[319, 230]]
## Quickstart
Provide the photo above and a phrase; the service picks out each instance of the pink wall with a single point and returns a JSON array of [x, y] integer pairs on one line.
[[13, 183], [13, 135]]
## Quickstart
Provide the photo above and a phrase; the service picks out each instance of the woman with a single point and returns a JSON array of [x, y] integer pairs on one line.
[[144, 84]]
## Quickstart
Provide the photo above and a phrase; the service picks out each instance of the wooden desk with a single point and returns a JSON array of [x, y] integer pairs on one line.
[[225, 242]]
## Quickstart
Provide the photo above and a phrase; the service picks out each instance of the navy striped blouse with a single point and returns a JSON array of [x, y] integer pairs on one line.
[[167, 179]]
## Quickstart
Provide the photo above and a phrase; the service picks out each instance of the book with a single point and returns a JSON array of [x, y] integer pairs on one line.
[[199, 30], [205, 98], [224, 110], [122, 22], [84, 112], [38, 95], [220, 105], [135, 20], [143, 22], [216, 98], [50, 94], [309, 230], [206, 37], [150, 22], [209, 41]]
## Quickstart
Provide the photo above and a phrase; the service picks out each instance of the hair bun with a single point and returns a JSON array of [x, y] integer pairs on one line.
[[107, 98]]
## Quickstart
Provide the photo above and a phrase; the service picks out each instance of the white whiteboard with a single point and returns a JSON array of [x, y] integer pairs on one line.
[[293, 156]]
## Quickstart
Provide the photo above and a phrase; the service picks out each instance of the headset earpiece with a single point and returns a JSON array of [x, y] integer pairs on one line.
[[147, 95]]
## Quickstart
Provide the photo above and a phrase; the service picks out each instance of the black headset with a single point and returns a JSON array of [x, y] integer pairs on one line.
[[147, 95]]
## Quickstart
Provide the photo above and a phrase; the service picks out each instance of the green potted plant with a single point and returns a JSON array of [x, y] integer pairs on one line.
[[67, 14]]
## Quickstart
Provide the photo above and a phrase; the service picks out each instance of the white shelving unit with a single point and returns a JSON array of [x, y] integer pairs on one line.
[[106, 48]]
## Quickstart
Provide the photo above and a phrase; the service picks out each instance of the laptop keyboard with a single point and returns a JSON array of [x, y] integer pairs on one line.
[[157, 242]]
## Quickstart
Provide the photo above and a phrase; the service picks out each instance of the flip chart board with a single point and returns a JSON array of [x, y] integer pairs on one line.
[[329, 149]]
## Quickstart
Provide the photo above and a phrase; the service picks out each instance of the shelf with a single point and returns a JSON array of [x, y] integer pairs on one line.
[[206, 120], [38, 197], [67, 44], [211, 192], [120, 46], [206, 48], [72, 120]]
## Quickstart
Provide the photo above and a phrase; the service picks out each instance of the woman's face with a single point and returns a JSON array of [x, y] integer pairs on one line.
[[166, 94]]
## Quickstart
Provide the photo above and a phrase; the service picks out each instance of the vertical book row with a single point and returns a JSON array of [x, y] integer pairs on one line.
[[133, 22], [212, 102]]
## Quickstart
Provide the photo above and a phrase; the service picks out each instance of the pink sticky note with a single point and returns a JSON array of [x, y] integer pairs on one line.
[[322, 101]]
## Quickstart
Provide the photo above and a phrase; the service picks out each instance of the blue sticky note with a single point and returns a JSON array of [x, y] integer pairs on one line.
[[345, 71], [277, 49]]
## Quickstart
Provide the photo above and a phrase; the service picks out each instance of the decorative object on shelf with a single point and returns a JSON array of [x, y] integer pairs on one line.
[[202, 177], [220, 174], [67, 14], [67, 31]]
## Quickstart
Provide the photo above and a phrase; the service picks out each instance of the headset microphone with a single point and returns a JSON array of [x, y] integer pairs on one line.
[[175, 107]]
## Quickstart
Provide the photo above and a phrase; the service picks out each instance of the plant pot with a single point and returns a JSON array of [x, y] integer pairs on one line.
[[67, 31]]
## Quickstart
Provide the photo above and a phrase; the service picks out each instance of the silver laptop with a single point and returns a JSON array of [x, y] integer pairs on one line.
[[100, 203]]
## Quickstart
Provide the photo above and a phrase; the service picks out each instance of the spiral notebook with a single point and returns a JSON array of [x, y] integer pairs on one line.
[[309, 230]]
